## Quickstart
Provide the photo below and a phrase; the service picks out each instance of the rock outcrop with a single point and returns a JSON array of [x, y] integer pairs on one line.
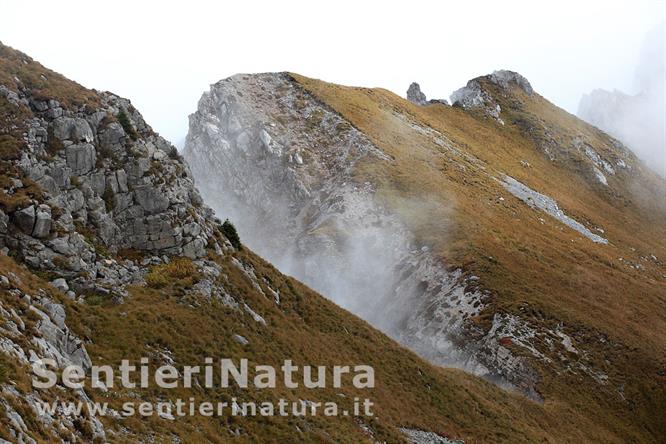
[[474, 96], [415, 95], [506, 79], [34, 329], [105, 181], [83, 179]]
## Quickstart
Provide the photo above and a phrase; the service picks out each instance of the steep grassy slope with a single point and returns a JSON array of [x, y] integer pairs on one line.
[[187, 328], [610, 298]]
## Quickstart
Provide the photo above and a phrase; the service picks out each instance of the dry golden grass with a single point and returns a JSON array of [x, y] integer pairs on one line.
[[541, 270], [42, 81], [180, 270], [310, 330]]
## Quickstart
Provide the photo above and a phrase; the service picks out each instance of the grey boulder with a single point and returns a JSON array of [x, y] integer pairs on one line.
[[25, 219], [42, 222], [81, 158], [60, 284], [74, 129]]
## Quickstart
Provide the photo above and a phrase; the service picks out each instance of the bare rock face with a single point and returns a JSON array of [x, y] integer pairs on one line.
[[81, 158], [474, 97], [415, 95], [281, 165], [25, 219], [80, 182], [72, 129], [50, 338], [506, 79], [42, 222], [112, 175]]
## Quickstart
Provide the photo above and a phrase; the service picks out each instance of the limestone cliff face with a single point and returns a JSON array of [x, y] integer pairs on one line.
[[101, 180], [281, 164]]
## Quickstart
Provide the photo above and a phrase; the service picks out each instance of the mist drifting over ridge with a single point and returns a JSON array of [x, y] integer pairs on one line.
[[639, 120], [316, 223], [282, 165]]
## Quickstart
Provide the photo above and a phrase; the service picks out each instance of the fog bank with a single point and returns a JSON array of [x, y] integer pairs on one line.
[[638, 120]]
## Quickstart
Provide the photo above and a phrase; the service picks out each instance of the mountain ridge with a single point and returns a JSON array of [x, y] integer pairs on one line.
[[522, 157], [146, 290]]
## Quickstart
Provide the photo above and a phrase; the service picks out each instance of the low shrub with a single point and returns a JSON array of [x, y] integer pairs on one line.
[[53, 144], [180, 271], [229, 230], [157, 279], [108, 198], [124, 121]]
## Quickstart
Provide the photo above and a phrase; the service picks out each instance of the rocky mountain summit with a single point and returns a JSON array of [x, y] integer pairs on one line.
[[456, 230], [474, 96], [282, 164]]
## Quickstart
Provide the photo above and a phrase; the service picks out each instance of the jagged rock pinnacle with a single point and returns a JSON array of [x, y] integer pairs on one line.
[[415, 95]]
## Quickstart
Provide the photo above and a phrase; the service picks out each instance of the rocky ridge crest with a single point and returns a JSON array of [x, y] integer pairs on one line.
[[284, 162]]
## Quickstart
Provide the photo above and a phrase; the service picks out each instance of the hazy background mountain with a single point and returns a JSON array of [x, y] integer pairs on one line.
[[638, 120]]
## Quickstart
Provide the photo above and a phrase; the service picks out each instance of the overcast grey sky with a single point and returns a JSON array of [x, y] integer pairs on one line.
[[163, 55]]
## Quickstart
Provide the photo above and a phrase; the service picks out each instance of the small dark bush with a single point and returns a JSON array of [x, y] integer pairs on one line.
[[127, 125], [230, 232], [175, 155]]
